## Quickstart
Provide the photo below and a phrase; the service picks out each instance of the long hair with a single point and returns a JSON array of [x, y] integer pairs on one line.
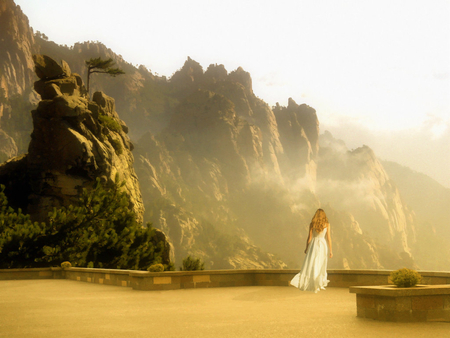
[[319, 221]]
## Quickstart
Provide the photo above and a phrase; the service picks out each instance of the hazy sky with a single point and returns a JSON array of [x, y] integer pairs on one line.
[[378, 70]]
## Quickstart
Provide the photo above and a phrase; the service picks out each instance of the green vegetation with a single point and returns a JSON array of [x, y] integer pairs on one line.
[[156, 268], [405, 278], [109, 122], [98, 65], [117, 145], [66, 264], [192, 264], [101, 231]]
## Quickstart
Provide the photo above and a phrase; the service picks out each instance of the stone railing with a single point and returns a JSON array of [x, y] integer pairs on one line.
[[171, 280]]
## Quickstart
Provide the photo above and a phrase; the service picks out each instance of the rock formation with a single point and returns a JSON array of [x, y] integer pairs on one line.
[[299, 134], [74, 141], [17, 47], [17, 44], [355, 181]]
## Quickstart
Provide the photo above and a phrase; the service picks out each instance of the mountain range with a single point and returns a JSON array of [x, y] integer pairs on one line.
[[230, 179]]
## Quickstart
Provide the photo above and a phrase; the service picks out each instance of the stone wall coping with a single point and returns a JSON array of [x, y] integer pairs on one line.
[[360, 272], [110, 271], [387, 272], [136, 273], [394, 291], [29, 270]]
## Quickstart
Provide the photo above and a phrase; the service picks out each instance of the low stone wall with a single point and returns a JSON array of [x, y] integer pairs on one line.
[[416, 304], [347, 278], [100, 276], [171, 280], [38, 273]]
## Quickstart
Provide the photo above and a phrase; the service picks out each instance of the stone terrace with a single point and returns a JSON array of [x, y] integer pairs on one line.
[[67, 308]]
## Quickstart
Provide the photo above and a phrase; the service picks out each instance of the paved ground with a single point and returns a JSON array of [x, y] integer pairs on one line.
[[64, 308]]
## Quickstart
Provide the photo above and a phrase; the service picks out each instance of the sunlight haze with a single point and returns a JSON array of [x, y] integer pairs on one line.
[[377, 73]]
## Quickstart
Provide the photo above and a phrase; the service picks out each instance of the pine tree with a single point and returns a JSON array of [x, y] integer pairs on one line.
[[98, 65], [17, 236], [101, 231]]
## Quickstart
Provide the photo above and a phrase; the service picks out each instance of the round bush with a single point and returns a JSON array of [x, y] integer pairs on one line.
[[66, 265], [156, 268], [405, 278]]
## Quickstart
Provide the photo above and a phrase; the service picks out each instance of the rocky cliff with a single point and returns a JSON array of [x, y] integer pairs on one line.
[[430, 201], [74, 141], [356, 182], [18, 46]]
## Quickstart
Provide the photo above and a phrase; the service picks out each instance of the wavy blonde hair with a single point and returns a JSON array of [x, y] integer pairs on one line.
[[319, 221]]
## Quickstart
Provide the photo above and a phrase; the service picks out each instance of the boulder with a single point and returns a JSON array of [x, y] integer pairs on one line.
[[47, 68]]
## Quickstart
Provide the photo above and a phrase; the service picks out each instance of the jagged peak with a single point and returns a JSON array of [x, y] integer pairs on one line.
[[216, 73], [243, 77], [364, 150], [294, 107], [192, 66], [292, 104]]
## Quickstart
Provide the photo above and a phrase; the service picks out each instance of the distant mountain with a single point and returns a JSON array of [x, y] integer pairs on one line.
[[228, 178], [431, 204]]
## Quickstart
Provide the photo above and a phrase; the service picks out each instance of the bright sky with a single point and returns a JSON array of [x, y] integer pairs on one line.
[[381, 65]]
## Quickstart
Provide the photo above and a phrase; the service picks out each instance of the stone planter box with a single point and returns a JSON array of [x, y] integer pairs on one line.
[[422, 303]]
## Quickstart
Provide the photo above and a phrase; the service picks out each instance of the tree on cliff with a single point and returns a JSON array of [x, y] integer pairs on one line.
[[100, 232], [98, 65]]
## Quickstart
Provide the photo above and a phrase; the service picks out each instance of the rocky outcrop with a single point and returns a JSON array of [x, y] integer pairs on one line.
[[299, 134], [188, 77], [74, 141]]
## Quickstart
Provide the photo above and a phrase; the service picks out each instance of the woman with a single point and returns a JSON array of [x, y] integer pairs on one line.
[[313, 275]]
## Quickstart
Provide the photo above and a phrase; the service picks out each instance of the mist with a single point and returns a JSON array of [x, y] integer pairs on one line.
[[425, 149]]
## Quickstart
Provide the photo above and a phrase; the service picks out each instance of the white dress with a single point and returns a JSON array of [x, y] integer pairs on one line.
[[313, 275]]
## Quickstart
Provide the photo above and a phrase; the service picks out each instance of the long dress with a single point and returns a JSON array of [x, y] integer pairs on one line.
[[313, 275]]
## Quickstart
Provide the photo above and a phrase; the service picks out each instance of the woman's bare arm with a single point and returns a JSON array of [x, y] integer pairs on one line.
[[308, 240], [329, 241]]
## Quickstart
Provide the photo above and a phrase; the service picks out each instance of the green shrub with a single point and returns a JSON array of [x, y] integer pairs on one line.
[[66, 265], [405, 278], [109, 122], [117, 145], [192, 264], [156, 268]]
